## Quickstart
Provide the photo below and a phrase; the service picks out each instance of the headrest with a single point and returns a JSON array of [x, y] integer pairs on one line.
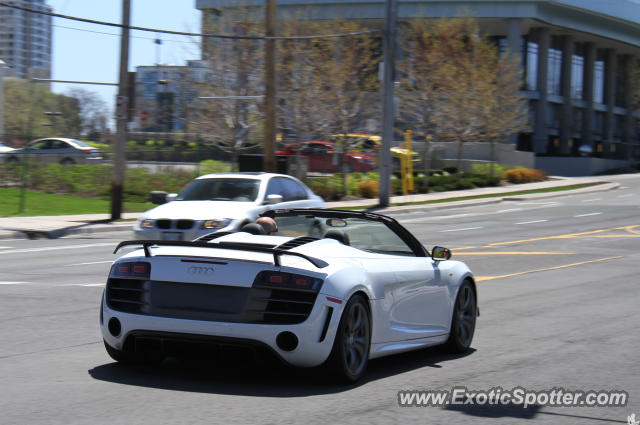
[[253, 228], [338, 235]]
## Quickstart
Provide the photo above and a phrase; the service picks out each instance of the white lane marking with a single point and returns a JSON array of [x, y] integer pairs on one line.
[[5, 247], [460, 230], [625, 196], [531, 222], [55, 248], [591, 200], [546, 204], [90, 263], [87, 285], [510, 210], [440, 217], [5, 282], [587, 215]]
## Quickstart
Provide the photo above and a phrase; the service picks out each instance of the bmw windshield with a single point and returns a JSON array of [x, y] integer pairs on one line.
[[221, 189]]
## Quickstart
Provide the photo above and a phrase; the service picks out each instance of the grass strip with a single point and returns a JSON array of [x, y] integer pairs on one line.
[[42, 204]]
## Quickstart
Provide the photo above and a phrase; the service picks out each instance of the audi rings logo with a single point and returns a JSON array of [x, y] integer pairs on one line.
[[200, 271]]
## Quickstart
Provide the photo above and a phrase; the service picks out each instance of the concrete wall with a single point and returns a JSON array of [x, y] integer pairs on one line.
[[481, 152], [576, 166]]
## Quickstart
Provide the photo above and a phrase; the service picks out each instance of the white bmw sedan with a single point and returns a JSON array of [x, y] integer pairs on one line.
[[222, 202]]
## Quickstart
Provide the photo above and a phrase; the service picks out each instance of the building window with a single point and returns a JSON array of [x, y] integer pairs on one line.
[[577, 76], [598, 81], [554, 73], [532, 66]]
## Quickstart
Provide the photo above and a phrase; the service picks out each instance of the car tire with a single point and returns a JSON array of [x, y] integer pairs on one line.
[[12, 160], [463, 322], [67, 161], [350, 353]]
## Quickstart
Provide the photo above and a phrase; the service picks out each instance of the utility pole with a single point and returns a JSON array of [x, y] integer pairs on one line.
[[269, 163], [388, 45], [3, 66], [119, 160]]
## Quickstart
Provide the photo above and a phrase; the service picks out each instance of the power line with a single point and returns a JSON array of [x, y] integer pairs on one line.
[[188, 34], [118, 35]]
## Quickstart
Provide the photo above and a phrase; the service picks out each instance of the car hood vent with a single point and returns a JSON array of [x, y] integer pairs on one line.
[[299, 241]]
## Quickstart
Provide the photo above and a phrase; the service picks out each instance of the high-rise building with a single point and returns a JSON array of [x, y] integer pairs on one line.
[[25, 39], [165, 93]]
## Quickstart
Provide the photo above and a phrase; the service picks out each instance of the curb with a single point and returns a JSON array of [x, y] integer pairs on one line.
[[104, 226], [86, 228], [489, 200]]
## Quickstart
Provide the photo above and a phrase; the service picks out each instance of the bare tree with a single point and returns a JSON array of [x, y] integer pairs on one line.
[[231, 116], [93, 112], [458, 88]]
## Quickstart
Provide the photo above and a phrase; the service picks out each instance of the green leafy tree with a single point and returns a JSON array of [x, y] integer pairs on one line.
[[32, 111]]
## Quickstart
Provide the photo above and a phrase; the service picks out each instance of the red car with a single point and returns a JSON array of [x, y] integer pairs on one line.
[[324, 157]]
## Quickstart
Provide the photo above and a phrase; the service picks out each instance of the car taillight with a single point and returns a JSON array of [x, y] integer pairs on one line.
[[273, 279], [137, 269], [86, 151]]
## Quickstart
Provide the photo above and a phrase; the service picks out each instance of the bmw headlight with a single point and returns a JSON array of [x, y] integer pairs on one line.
[[146, 224], [215, 224]]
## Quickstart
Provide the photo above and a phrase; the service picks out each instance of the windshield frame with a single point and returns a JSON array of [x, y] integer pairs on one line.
[[407, 237]]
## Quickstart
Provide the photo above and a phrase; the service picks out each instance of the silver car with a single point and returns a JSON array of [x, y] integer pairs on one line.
[[56, 150], [4, 150]]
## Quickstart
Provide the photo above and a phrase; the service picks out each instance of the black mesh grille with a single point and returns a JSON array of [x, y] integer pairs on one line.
[[163, 224], [184, 224], [257, 304]]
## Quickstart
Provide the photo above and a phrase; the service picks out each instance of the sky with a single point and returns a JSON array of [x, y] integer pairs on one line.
[[89, 52]]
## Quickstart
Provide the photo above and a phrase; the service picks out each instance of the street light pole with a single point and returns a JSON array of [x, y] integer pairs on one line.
[[387, 101], [119, 160], [3, 66], [270, 90]]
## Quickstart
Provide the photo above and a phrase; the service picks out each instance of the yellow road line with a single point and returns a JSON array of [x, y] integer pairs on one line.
[[565, 236], [484, 278]]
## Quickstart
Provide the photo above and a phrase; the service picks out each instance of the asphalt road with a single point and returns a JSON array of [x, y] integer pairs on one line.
[[558, 290]]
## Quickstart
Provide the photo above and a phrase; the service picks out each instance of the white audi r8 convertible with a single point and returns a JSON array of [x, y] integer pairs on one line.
[[330, 287]]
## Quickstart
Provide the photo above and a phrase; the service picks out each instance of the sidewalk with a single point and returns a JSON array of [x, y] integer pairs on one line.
[[57, 226]]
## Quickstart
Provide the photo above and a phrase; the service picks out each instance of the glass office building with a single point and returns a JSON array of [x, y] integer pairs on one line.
[[25, 39], [579, 59]]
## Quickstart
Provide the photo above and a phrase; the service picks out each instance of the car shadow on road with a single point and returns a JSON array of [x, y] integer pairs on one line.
[[263, 378]]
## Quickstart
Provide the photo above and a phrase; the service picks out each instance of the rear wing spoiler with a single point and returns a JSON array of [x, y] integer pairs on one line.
[[234, 246]]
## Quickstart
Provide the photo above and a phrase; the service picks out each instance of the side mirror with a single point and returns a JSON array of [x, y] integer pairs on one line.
[[171, 197], [274, 199], [440, 253]]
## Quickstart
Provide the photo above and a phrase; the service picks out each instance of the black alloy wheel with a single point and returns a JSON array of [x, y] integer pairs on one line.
[[463, 323], [350, 353]]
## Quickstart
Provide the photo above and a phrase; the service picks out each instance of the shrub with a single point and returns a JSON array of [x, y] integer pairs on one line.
[[524, 175], [368, 189], [329, 188], [211, 166]]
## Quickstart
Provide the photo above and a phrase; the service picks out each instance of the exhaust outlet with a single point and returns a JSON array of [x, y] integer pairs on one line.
[[287, 341]]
